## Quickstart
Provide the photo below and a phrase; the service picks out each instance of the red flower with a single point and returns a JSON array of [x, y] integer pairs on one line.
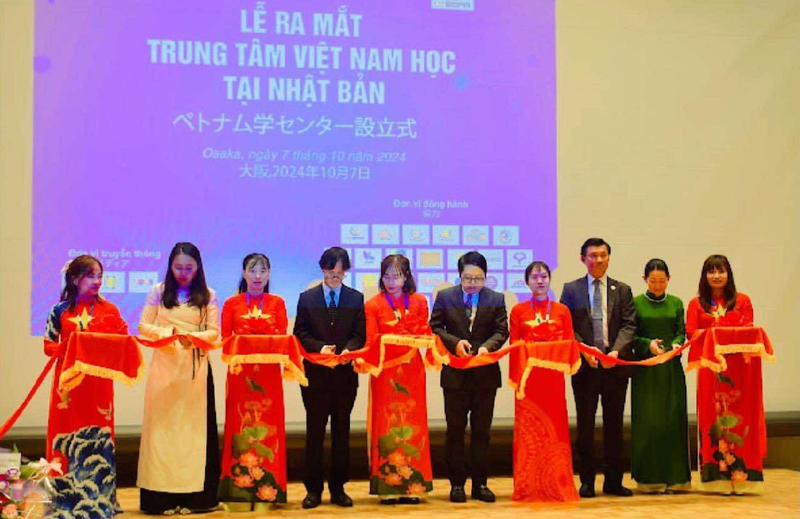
[[267, 493], [394, 480], [249, 459], [243, 481], [416, 488]]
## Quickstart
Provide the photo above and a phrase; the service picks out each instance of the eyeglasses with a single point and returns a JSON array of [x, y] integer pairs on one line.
[[473, 279], [329, 274]]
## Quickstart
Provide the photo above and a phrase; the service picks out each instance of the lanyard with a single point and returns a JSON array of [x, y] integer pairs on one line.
[[549, 306], [391, 303], [261, 306]]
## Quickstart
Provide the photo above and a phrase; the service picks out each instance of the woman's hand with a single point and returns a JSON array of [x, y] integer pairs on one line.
[[655, 347]]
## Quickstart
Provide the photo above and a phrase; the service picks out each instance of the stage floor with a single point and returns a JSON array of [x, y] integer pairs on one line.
[[781, 499]]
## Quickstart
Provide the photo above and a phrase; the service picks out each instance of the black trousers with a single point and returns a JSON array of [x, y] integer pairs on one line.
[[321, 403], [156, 502], [590, 385], [475, 404]]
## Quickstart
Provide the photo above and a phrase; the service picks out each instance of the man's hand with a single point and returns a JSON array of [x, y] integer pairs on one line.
[[462, 348], [483, 350], [328, 348], [589, 359], [343, 360], [608, 365], [655, 347]]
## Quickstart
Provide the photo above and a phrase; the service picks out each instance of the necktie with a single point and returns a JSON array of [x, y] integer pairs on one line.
[[332, 307], [468, 305], [597, 316]]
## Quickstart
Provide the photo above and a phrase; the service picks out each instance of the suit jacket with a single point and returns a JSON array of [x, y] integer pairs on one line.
[[621, 316], [313, 328], [490, 329]]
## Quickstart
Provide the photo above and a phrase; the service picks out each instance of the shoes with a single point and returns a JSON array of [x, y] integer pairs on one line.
[[341, 499], [457, 494], [184, 511], [312, 500], [408, 500], [482, 493], [388, 501], [619, 491], [586, 490], [169, 512]]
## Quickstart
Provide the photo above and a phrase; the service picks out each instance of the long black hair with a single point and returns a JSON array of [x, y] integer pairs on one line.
[[77, 269], [712, 263], [199, 295], [250, 261]]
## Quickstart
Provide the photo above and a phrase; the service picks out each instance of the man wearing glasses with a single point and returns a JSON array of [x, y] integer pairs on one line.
[[471, 320], [330, 319]]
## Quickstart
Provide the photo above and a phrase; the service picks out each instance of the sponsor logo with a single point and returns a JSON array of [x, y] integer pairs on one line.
[[354, 233], [386, 234], [141, 282], [416, 235], [430, 258], [428, 281], [445, 235], [506, 235], [366, 280], [113, 282], [494, 258], [453, 5], [476, 235], [518, 259], [367, 258], [516, 283]]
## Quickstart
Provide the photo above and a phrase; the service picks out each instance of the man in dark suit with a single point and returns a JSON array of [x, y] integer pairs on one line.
[[330, 319], [471, 320], [603, 316]]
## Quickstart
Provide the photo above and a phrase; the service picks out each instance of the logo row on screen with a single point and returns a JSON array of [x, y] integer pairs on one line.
[[428, 281], [142, 282], [445, 235], [139, 282], [369, 258]]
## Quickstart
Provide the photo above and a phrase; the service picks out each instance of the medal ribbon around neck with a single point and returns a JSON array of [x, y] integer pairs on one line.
[[538, 315], [251, 312], [391, 303]]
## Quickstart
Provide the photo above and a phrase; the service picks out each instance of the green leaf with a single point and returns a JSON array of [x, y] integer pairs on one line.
[[404, 432], [728, 420], [409, 450], [255, 386], [734, 439], [257, 433], [264, 451], [240, 444], [715, 432], [386, 445], [399, 387], [27, 472], [726, 380]]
